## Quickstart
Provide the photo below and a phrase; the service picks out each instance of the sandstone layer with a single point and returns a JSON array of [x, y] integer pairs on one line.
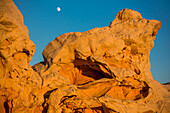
[[103, 70]]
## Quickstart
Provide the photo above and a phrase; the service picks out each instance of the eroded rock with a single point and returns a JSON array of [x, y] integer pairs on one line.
[[118, 53], [103, 70], [18, 82]]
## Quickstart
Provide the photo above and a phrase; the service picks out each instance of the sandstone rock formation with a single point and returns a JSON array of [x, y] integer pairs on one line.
[[18, 82], [103, 70]]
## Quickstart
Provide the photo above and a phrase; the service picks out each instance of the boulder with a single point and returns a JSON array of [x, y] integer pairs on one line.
[[109, 65]]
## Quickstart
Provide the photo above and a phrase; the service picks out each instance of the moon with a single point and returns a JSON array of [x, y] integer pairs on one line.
[[58, 9]]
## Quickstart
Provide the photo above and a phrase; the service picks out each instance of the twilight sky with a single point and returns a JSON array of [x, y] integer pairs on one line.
[[45, 23]]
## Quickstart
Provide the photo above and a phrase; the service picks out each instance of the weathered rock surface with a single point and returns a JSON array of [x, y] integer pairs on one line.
[[103, 70], [18, 82], [167, 86]]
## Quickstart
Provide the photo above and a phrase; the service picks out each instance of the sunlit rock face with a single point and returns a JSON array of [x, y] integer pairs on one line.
[[18, 82], [103, 70]]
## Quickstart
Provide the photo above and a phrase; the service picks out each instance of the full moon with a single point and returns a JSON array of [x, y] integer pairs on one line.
[[58, 9]]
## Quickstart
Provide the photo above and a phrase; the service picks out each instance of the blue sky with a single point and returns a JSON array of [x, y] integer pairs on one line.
[[45, 23]]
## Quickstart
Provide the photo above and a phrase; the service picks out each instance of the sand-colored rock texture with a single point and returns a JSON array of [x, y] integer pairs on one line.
[[103, 70]]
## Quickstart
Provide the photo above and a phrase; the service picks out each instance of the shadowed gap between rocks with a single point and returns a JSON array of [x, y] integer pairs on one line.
[[7, 108], [45, 104], [90, 69]]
